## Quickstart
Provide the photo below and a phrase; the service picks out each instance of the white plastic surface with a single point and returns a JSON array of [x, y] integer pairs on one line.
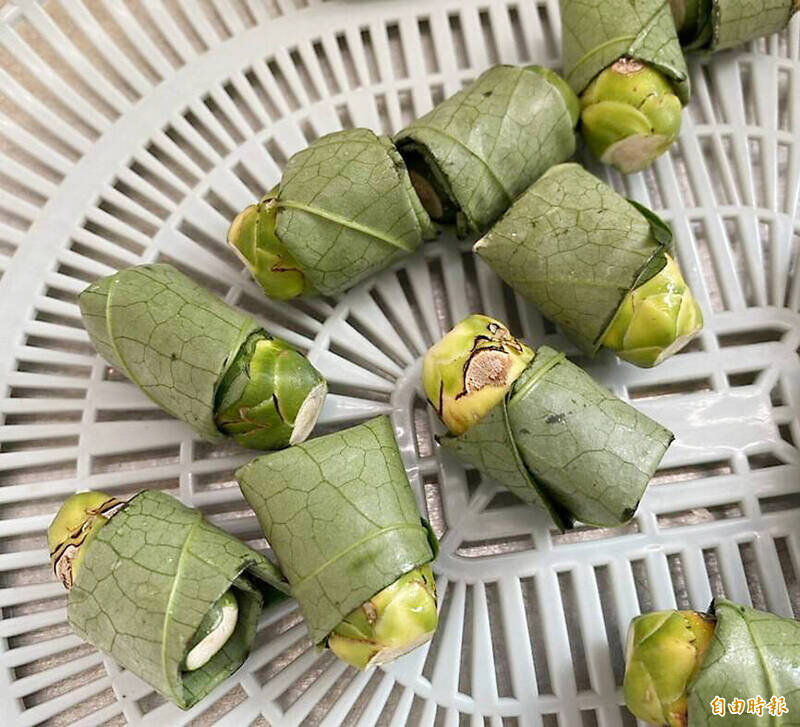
[[132, 131]]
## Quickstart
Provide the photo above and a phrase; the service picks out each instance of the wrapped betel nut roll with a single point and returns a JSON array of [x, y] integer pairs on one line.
[[343, 210], [596, 264], [540, 425], [733, 665], [476, 151], [623, 59], [200, 360], [340, 516], [712, 25], [169, 596]]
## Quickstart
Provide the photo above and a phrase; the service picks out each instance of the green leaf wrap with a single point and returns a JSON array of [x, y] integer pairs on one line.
[[575, 248], [581, 451], [340, 516], [170, 336], [594, 452], [491, 140], [489, 446], [753, 654], [596, 33], [738, 21], [347, 209], [147, 580]]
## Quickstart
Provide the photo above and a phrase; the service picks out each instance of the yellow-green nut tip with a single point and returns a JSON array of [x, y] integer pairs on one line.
[[468, 372], [76, 523], [664, 651], [394, 622], [271, 395], [253, 237], [655, 320], [630, 116]]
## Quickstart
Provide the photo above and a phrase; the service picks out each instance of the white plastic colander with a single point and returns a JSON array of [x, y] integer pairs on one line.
[[133, 130]]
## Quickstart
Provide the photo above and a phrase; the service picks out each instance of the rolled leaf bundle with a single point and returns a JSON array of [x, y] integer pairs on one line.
[[700, 669], [712, 25], [344, 209], [624, 60], [476, 151], [540, 425], [200, 360], [154, 585], [598, 265], [340, 516]]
